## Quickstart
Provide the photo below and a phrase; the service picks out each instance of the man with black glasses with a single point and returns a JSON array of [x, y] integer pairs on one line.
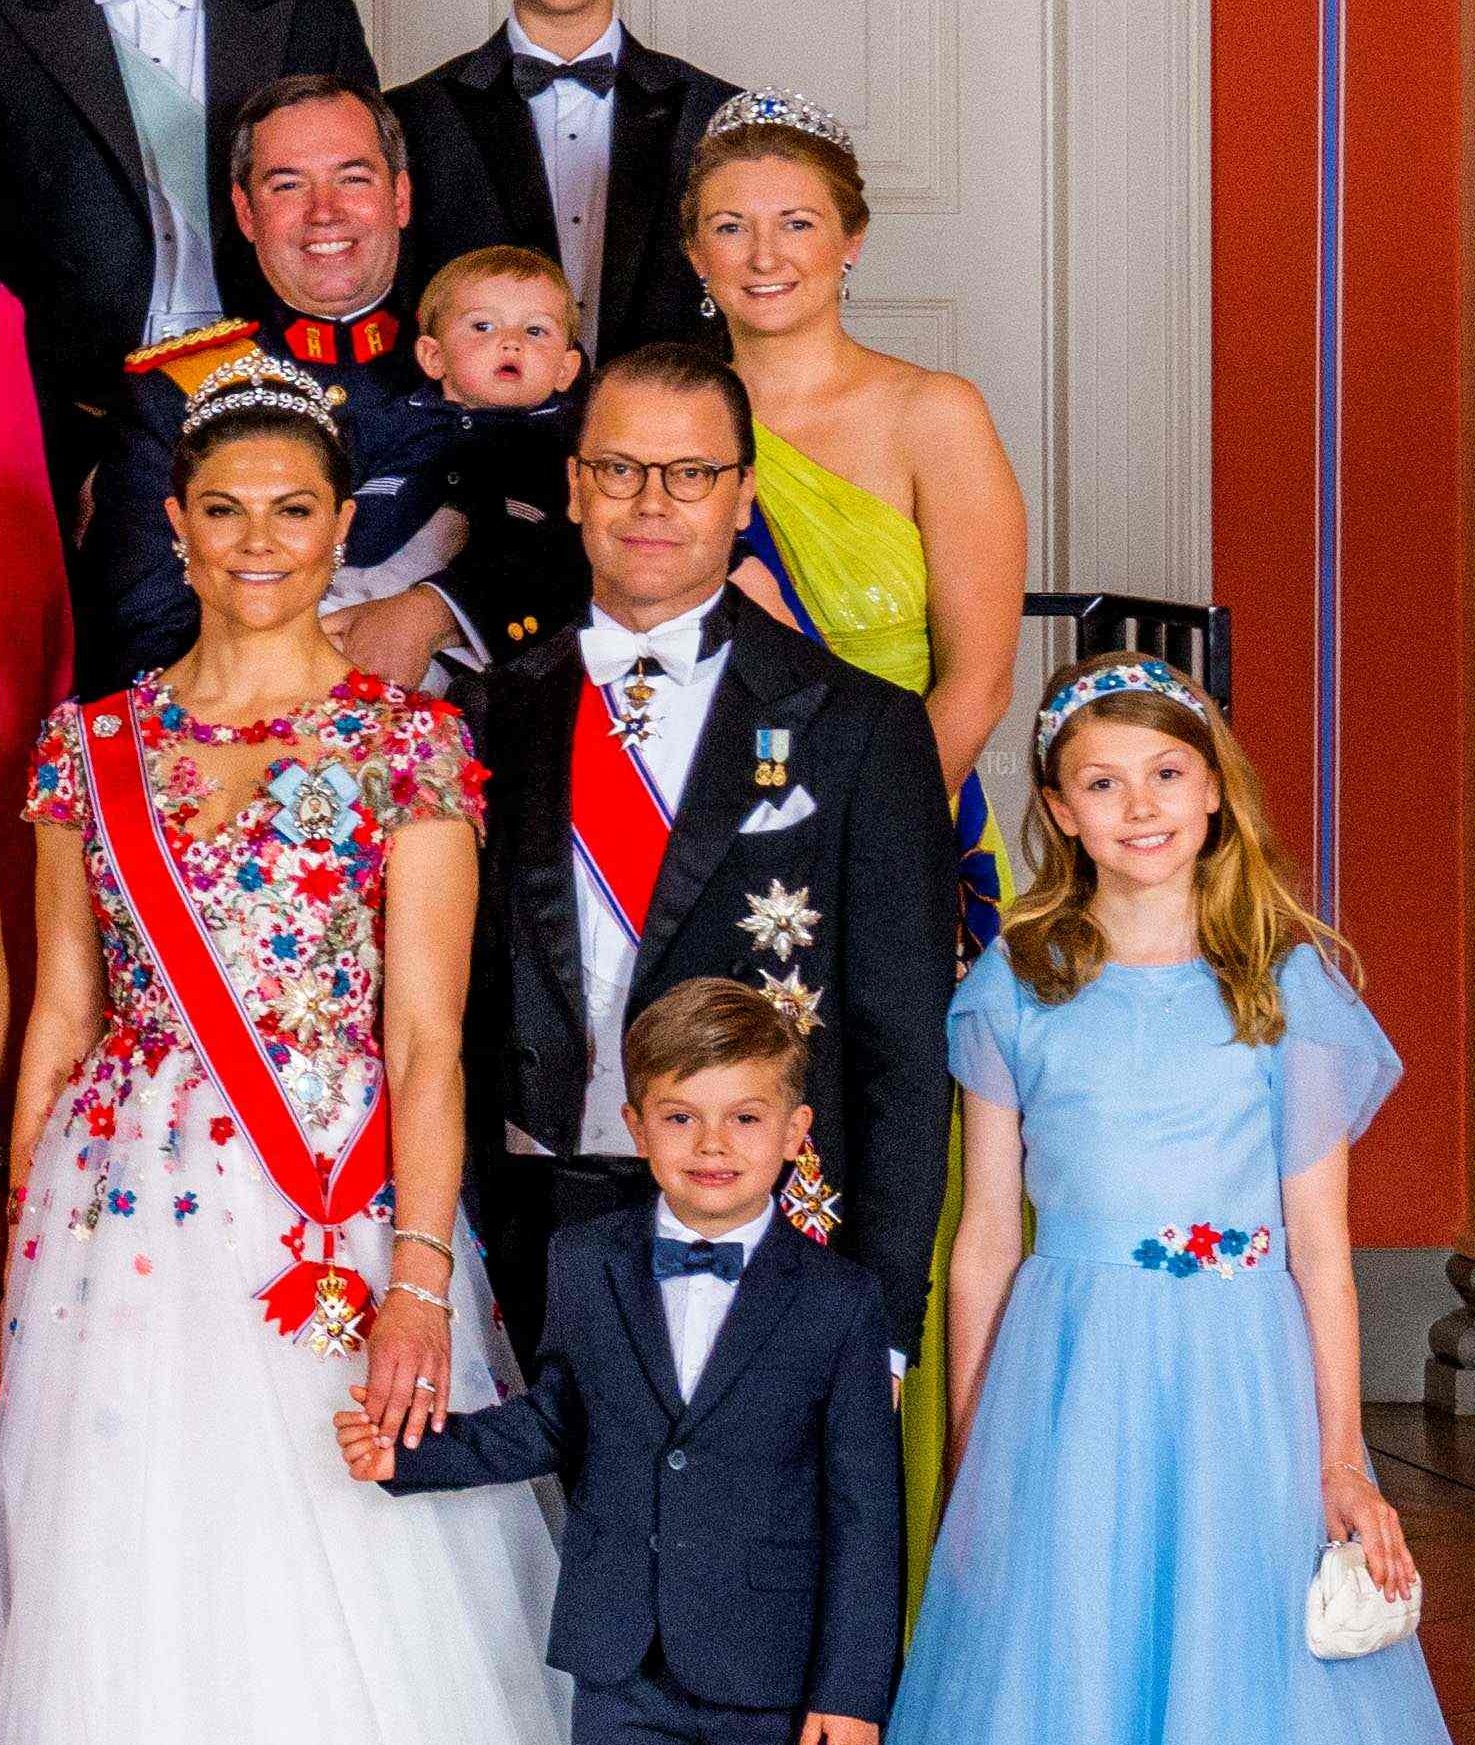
[[685, 787]]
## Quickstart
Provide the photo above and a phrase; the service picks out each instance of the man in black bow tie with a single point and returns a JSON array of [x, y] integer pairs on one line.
[[563, 133], [686, 788]]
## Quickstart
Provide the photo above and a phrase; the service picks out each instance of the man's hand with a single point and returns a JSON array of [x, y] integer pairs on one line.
[[397, 637], [839, 1730], [359, 1445]]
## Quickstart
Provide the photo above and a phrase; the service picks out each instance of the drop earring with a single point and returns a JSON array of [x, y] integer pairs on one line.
[[180, 550], [709, 308], [846, 271], [340, 555]]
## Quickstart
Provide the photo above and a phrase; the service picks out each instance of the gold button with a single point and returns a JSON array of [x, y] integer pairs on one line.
[[531, 626], [336, 396], [515, 631]]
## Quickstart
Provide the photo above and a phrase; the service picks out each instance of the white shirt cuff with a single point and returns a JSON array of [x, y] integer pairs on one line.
[[898, 1365]]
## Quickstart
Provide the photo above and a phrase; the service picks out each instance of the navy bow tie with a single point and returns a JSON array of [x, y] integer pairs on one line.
[[532, 75], [673, 1259]]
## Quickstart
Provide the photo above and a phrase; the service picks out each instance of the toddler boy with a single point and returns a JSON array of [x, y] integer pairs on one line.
[[466, 483], [719, 1389]]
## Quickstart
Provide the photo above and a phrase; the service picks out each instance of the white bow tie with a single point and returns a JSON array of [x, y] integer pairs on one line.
[[610, 650]]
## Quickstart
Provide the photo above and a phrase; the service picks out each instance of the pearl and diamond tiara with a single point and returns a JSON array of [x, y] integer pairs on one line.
[[773, 108], [260, 380]]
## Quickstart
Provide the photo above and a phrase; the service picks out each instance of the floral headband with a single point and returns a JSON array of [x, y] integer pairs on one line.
[[1107, 681]]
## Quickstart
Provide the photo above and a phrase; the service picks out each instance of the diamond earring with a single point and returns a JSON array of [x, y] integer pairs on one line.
[[180, 550], [847, 270], [340, 555], [709, 308]]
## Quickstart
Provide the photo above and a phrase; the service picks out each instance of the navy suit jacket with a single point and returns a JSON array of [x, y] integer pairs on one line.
[[754, 1531]]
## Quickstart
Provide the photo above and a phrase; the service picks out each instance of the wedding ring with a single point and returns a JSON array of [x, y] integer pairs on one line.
[[424, 1381]]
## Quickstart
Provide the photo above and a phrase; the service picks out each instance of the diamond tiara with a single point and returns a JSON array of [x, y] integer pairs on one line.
[[772, 108], [258, 380]]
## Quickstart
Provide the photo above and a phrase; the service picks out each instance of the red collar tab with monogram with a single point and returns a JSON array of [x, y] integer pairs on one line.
[[621, 825], [312, 341], [330, 1302]]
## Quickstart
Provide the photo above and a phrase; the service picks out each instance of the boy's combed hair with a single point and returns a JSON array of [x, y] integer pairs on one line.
[[710, 1021], [1249, 918], [503, 261]]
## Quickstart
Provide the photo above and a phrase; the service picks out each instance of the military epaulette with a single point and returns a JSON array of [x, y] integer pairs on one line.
[[189, 357]]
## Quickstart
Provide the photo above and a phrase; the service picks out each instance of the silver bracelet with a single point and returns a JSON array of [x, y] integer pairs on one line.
[[421, 1296], [426, 1240], [1345, 1466]]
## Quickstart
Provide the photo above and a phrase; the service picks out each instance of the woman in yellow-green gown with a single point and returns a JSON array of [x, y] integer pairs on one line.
[[888, 525]]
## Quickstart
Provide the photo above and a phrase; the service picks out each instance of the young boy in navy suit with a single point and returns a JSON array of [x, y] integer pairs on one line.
[[720, 1389]]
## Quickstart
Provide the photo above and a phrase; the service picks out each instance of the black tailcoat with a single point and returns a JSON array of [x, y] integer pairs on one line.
[[754, 1531], [876, 857], [76, 246], [479, 179]]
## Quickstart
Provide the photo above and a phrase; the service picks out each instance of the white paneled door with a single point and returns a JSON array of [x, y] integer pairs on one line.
[[1038, 171]]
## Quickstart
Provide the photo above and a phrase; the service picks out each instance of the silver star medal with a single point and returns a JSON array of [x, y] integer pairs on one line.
[[781, 921], [633, 725], [798, 1004]]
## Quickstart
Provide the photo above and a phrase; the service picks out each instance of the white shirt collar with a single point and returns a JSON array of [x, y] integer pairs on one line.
[[749, 1234], [522, 44], [693, 614], [167, 9]]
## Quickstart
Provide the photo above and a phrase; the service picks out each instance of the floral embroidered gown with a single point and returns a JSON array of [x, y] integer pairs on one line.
[[183, 1557], [1127, 1550]]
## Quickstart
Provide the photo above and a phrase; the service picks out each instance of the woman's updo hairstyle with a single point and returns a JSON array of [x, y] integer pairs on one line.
[[242, 424], [253, 396], [750, 144]]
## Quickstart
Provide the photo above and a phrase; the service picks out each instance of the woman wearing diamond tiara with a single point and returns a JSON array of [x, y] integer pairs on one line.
[[1157, 1412], [236, 1160], [887, 512]]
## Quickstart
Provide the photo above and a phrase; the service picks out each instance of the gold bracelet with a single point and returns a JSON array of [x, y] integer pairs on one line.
[[426, 1240]]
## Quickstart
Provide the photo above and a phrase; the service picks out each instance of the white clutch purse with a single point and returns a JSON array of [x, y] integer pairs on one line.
[[1346, 1615]]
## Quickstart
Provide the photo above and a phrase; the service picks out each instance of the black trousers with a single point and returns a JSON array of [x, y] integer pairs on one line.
[[523, 1201], [652, 1708]]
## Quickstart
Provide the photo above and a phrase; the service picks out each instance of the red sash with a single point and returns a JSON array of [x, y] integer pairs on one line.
[[321, 1190], [621, 824]]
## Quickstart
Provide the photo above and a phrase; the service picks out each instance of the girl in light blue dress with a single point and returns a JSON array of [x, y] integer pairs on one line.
[[1155, 1417]]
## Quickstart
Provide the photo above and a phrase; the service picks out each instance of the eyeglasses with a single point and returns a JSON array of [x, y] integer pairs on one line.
[[688, 481]]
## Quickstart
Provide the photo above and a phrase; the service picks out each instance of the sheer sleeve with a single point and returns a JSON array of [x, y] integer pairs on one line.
[[1334, 1064], [983, 1030], [433, 772], [57, 791]]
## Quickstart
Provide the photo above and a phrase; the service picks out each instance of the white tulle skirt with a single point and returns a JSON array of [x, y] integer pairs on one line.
[[183, 1557]]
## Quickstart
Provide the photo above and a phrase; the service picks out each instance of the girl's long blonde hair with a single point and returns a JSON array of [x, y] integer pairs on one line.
[[1249, 918]]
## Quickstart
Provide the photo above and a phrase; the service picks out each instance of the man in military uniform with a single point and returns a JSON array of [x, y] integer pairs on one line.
[[115, 221], [321, 193]]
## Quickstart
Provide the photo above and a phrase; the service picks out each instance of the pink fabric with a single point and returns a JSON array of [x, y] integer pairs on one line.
[[36, 638]]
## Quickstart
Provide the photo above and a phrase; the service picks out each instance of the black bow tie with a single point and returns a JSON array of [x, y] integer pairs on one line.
[[672, 1258], [533, 75]]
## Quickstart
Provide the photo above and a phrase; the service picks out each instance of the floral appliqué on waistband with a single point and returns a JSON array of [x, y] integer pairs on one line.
[[1202, 1248]]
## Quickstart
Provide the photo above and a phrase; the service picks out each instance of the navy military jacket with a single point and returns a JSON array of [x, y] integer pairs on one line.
[[131, 605]]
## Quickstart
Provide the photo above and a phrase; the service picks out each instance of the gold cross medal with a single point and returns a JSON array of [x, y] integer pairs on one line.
[[808, 1201], [773, 754], [335, 1321]]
